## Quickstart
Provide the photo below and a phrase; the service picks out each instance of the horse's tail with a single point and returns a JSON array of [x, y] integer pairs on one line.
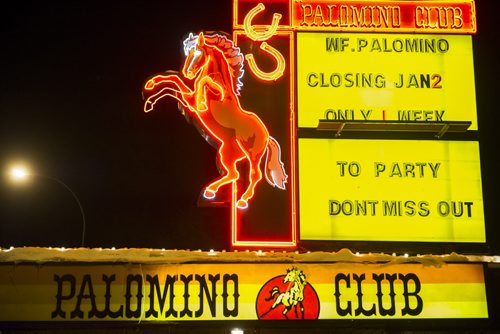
[[274, 170]]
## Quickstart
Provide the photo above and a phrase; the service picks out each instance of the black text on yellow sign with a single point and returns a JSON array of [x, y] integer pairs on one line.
[[422, 191], [188, 292], [401, 77]]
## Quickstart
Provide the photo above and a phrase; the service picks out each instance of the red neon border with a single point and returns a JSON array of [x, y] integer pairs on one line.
[[292, 141], [406, 27], [291, 26], [290, 29]]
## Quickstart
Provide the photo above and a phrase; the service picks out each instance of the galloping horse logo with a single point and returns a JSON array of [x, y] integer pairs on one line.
[[216, 66], [283, 293]]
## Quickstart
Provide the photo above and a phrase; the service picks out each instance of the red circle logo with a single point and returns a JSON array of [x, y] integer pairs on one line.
[[289, 297]]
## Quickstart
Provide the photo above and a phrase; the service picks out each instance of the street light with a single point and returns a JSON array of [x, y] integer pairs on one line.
[[21, 173]]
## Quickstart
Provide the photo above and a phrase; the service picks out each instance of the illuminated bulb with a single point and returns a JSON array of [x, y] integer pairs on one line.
[[237, 331], [406, 254], [19, 173], [113, 248], [357, 253], [393, 254]]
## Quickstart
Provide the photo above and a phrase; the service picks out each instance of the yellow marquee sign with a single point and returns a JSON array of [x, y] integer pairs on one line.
[[401, 77], [180, 292], [388, 190], [402, 69]]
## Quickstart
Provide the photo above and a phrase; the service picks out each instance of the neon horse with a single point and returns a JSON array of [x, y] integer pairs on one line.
[[216, 66], [293, 296]]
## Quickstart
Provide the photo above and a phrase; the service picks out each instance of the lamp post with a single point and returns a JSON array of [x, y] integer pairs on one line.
[[22, 174]]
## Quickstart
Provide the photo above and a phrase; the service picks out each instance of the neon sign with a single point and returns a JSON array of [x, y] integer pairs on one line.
[[280, 64], [216, 66], [436, 16], [269, 53], [260, 36], [269, 38], [256, 35], [385, 16]]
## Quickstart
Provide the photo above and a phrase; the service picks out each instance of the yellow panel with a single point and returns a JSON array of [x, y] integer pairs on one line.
[[389, 190], [385, 76], [229, 291]]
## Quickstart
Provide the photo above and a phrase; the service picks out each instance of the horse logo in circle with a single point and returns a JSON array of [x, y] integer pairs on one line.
[[286, 293]]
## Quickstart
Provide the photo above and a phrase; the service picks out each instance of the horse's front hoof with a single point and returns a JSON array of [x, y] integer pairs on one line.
[[148, 106], [242, 204], [209, 194], [149, 85]]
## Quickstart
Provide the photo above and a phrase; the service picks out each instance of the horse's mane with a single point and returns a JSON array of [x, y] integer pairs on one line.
[[232, 55]]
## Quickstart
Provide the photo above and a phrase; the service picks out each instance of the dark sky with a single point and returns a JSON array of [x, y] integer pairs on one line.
[[71, 106]]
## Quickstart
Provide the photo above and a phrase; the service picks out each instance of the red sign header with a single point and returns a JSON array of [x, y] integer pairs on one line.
[[426, 16]]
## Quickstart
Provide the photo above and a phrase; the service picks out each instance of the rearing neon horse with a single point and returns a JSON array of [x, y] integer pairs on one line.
[[216, 66]]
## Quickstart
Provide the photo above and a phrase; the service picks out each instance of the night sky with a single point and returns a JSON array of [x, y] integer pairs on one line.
[[71, 107]]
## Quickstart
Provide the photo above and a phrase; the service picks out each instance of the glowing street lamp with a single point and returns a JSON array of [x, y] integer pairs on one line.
[[21, 173]]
